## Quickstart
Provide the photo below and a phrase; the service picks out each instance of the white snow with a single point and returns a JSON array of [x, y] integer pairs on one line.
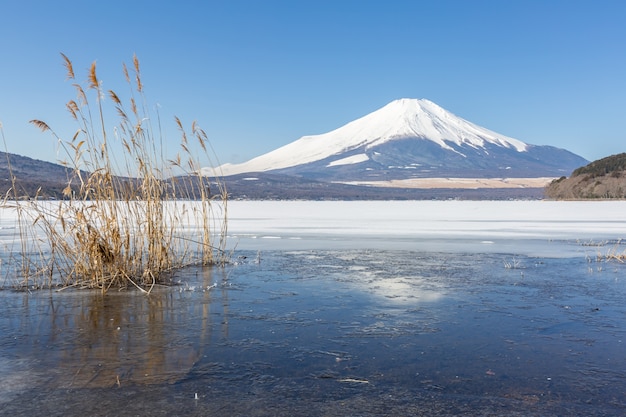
[[354, 159], [546, 228], [402, 118]]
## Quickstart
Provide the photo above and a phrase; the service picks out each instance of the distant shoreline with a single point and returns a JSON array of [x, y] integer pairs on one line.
[[458, 183]]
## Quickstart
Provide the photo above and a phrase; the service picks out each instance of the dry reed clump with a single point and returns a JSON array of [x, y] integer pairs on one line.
[[129, 215], [614, 254]]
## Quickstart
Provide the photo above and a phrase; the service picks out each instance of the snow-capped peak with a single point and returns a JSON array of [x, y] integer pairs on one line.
[[403, 118]]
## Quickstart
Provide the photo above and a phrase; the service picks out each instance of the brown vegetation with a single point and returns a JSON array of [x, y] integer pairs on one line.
[[601, 179], [126, 219]]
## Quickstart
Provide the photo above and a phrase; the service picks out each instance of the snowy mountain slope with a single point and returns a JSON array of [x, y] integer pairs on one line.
[[409, 138]]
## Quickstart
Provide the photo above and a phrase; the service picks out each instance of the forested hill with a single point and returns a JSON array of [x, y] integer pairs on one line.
[[601, 179]]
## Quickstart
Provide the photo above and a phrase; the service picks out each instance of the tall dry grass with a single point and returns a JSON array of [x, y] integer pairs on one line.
[[130, 216]]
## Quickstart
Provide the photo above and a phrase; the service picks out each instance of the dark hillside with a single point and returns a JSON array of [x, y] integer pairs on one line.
[[47, 180], [32, 175], [601, 179], [602, 167]]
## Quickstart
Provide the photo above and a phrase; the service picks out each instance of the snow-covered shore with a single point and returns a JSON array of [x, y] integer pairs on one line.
[[524, 227], [424, 225]]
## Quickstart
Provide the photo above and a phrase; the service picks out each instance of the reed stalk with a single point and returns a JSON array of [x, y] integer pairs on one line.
[[130, 217]]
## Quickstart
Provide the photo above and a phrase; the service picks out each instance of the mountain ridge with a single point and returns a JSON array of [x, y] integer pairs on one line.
[[47, 180], [407, 149], [31, 177], [410, 138]]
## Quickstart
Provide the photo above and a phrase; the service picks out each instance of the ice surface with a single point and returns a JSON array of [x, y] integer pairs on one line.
[[475, 226], [349, 323], [547, 228]]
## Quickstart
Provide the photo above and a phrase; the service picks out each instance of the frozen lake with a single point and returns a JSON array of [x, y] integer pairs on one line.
[[519, 227], [346, 308]]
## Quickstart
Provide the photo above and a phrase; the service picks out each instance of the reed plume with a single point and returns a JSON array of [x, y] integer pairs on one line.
[[130, 217]]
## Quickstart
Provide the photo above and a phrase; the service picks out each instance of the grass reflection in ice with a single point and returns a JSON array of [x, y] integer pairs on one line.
[[91, 339]]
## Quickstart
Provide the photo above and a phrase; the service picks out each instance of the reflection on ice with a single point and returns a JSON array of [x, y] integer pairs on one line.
[[399, 290], [383, 277], [89, 339]]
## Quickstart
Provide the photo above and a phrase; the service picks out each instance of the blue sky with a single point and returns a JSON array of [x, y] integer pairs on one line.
[[257, 75]]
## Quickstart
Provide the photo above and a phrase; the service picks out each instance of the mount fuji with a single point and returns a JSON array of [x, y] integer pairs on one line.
[[409, 139]]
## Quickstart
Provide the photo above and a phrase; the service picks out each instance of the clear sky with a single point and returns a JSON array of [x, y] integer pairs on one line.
[[257, 75]]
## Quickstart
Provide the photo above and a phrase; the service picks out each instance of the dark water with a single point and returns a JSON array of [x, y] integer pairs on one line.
[[328, 333]]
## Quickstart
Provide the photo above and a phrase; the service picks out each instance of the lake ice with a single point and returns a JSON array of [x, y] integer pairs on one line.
[[346, 308], [521, 227]]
